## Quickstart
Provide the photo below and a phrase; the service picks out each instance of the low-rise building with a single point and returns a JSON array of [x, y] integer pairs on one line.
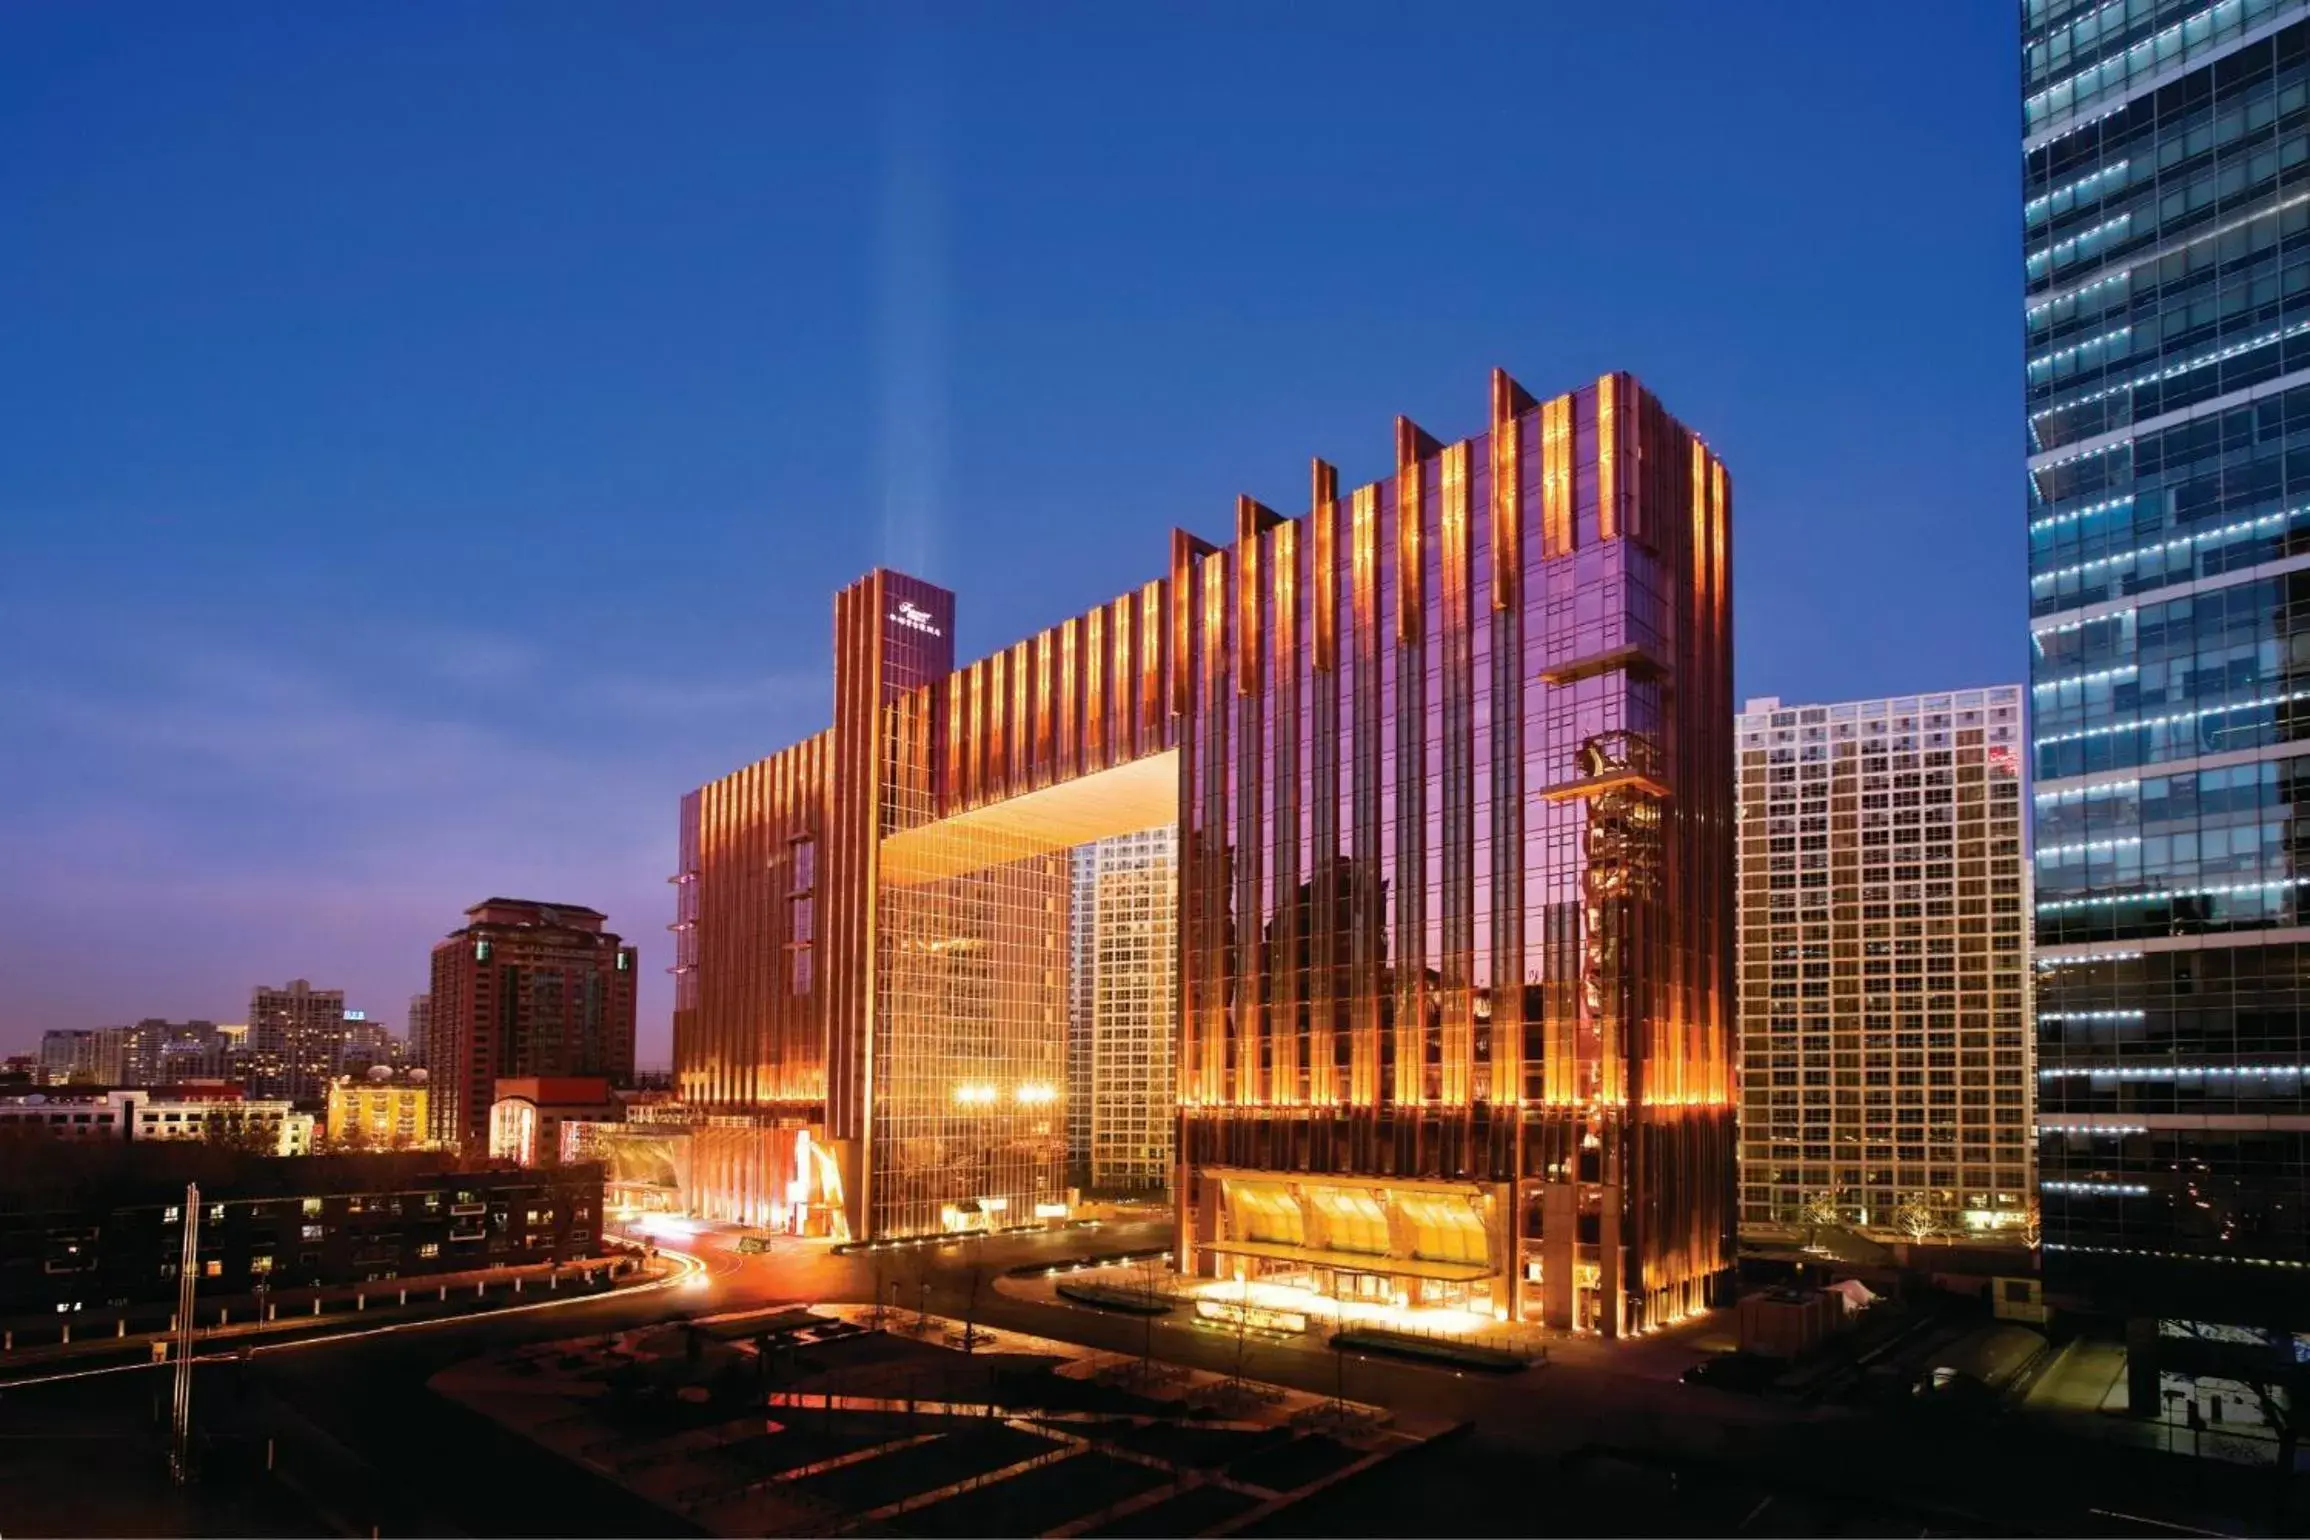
[[68, 1114], [527, 1112], [222, 1114], [316, 1221], [380, 1110], [215, 1112]]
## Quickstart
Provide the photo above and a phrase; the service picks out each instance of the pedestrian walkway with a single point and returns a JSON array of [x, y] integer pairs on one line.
[[2085, 1391]]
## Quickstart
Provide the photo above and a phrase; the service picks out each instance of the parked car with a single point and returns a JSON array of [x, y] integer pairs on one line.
[[1748, 1373]]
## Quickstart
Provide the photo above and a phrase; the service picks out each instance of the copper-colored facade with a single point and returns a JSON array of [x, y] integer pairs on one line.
[[1450, 759]]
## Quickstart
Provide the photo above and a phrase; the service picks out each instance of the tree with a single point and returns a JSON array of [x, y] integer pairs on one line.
[[1148, 1274], [1817, 1212], [238, 1132], [2279, 1382], [1917, 1217], [2033, 1225], [974, 1281]]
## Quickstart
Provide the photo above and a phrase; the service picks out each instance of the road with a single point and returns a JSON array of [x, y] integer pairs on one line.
[[427, 1466]]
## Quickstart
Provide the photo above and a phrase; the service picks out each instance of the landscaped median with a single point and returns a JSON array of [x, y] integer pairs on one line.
[[1442, 1350], [1102, 1296]]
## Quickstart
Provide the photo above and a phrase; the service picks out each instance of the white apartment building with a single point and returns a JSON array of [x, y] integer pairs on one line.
[[271, 1127], [1121, 1085], [268, 1126], [1886, 1058]]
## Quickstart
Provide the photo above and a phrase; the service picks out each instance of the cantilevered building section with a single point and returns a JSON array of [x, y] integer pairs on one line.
[[1885, 1048], [1449, 764]]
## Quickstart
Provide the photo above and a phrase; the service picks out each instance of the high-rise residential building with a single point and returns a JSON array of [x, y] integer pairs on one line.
[[2168, 324], [156, 1052], [1449, 766], [296, 1033], [68, 1055], [417, 1031], [523, 989], [1122, 1016], [365, 1043], [1082, 1005], [1885, 1047]]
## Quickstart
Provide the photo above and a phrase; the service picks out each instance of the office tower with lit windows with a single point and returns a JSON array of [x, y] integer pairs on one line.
[[1120, 1079], [2167, 231], [1885, 1050], [1448, 761], [296, 1036], [523, 988]]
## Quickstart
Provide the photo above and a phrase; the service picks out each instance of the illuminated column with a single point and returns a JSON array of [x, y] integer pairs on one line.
[[1287, 867], [1364, 898], [1415, 744], [1458, 812], [1506, 684], [1325, 945]]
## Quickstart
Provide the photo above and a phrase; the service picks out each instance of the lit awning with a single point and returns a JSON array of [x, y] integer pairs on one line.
[[1351, 1261]]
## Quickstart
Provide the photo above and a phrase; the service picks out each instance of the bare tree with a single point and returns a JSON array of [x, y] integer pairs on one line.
[[974, 1281], [2033, 1225], [1236, 1380], [1917, 1217], [1148, 1274], [1818, 1211], [2279, 1382]]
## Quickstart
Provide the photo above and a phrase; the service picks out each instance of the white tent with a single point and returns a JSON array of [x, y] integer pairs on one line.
[[1856, 1295]]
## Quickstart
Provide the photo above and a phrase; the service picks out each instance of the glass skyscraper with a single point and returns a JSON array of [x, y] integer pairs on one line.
[[2167, 236]]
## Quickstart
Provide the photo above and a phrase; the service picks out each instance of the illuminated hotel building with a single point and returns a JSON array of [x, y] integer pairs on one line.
[[2167, 310], [1883, 962], [1449, 759]]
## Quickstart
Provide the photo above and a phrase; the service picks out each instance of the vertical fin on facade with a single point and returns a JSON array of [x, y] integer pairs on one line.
[[1413, 448], [1323, 511], [1509, 402], [1186, 550], [1556, 538], [1252, 519], [1612, 417]]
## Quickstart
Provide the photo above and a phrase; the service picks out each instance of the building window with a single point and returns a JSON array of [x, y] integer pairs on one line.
[[430, 1249], [315, 1232], [260, 1264], [213, 1268]]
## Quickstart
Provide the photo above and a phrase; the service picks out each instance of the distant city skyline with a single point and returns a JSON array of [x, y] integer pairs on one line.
[[406, 508]]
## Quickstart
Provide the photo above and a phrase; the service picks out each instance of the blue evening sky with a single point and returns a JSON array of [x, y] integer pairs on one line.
[[430, 436]]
